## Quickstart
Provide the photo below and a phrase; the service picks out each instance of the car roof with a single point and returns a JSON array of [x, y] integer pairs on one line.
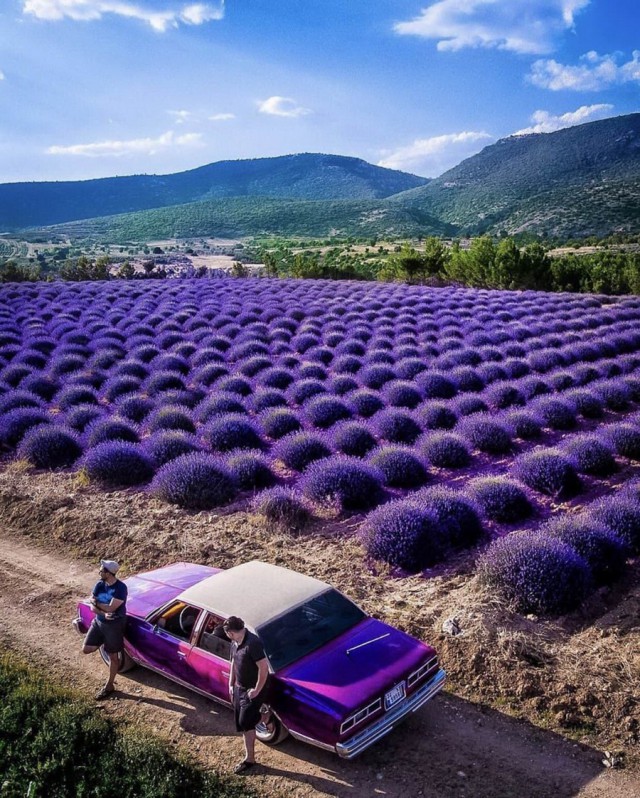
[[255, 591]]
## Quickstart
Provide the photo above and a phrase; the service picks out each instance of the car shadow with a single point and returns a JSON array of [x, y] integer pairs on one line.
[[451, 747]]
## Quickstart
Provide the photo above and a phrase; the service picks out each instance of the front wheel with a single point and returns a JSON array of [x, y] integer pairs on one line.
[[273, 736], [125, 663]]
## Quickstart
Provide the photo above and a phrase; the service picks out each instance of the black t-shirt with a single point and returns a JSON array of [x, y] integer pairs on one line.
[[245, 657]]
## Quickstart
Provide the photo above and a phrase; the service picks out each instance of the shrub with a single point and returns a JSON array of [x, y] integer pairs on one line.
[[467, 379], [533, 386], [625, 439], [524, 424], [278, 422], [311, 371], [14, 399], [436, 386], [590, 455], [275, 377], [161, 381], [110, 429], [265, 398], [502, 396], [196, 481], [232, 431], [445, 450], [538, 573], [404, 535], [166, 445], [283, 510], [586, 403], [457, 515], [219, 403], [365, 403], [343, 481], [207, 375], [604, 552], [15, 424], [555, 413], [74, 395], [621, 515], [376, 375], [342, 385], [51, 447], [614, 393], [352, 438], [118, 464], [501, 499], [400, 467], [547, 471], [119, 386], [250, 470], [485, 434], [300, 449], [325, 411], [468, 405], [396, 426], [436, 415], [399, 393], [42, 386], [171, 417], [80, 417], [409, 367]]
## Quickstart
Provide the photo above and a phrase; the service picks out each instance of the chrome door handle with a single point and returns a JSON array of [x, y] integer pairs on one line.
[[181, 654]]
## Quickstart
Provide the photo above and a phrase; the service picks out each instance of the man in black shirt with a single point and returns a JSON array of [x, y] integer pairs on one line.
[[247, 681]]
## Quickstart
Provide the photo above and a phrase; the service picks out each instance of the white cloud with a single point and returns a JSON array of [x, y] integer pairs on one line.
[[221, 117], [1, 75], [545, 122], [148, 146], [594, 73], [282, 106], [159, 19], [432, 156], [180, 117], [522, 26]]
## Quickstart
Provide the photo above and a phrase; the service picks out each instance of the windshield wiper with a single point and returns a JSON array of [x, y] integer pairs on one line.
[[368, 642]]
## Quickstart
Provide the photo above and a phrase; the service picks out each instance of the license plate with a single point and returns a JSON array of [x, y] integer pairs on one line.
[[394, 695]]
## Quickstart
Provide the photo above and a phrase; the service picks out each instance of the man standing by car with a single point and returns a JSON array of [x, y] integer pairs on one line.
[[109, 602], [247, 681]]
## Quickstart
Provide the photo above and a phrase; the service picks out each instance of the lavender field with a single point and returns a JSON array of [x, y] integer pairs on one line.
[[447, 418]]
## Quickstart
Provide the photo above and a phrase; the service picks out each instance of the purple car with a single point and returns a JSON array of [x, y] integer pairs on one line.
[[339, 680]]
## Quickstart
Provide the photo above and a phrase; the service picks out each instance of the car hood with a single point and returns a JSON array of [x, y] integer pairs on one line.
[[358, 666], [148, 591]]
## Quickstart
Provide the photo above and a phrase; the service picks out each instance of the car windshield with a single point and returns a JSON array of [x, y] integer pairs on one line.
[[307, 627]]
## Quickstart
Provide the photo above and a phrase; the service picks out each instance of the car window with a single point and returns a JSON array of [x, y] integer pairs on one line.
[[179, 619], [213, 638], [307, 627]]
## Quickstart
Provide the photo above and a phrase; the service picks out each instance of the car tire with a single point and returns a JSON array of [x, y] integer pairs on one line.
[[125, 663], [275, 737]]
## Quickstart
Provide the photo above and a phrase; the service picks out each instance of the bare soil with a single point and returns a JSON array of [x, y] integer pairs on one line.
[[531, 704]]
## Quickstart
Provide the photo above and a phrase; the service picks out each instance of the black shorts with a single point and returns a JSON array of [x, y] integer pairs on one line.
[[109, 634], [246, 710]]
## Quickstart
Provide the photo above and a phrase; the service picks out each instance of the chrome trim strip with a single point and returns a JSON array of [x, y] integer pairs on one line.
[[311, 741], [183, 683], [361, 741]]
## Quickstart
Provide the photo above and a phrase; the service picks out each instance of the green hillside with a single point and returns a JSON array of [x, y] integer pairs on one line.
[[252, 216], [582, 180], [307, 176]]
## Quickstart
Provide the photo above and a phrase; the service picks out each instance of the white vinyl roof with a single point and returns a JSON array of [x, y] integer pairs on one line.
[[255, 591]]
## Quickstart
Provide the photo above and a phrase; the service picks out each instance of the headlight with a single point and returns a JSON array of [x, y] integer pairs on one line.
[[361, 715], [422, 671]]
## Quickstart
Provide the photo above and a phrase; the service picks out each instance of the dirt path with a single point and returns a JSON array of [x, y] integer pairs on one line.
[[451, 748]]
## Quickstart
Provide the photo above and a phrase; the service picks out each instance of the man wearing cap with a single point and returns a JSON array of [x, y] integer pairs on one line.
[[247, 681], [109, 602]]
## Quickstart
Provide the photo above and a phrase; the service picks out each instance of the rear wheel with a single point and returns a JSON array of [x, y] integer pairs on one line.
[[272, 733], [125, 663]]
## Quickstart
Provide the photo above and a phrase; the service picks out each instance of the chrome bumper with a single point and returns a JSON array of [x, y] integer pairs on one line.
[[359, 742]]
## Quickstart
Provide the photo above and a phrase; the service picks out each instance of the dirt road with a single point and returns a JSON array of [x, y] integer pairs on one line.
[[450, 748]]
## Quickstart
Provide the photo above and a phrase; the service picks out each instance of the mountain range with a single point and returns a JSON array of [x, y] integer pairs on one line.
[[580, 181]]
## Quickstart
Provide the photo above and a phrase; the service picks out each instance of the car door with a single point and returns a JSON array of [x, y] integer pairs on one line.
[[209, 659], [166, 640]]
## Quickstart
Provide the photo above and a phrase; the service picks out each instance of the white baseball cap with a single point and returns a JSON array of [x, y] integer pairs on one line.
[[110, 565]]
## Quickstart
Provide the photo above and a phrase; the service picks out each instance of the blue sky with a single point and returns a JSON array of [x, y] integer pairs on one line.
[[92, 88]]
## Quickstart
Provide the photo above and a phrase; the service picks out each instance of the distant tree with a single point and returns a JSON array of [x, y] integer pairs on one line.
[[126, 271]]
